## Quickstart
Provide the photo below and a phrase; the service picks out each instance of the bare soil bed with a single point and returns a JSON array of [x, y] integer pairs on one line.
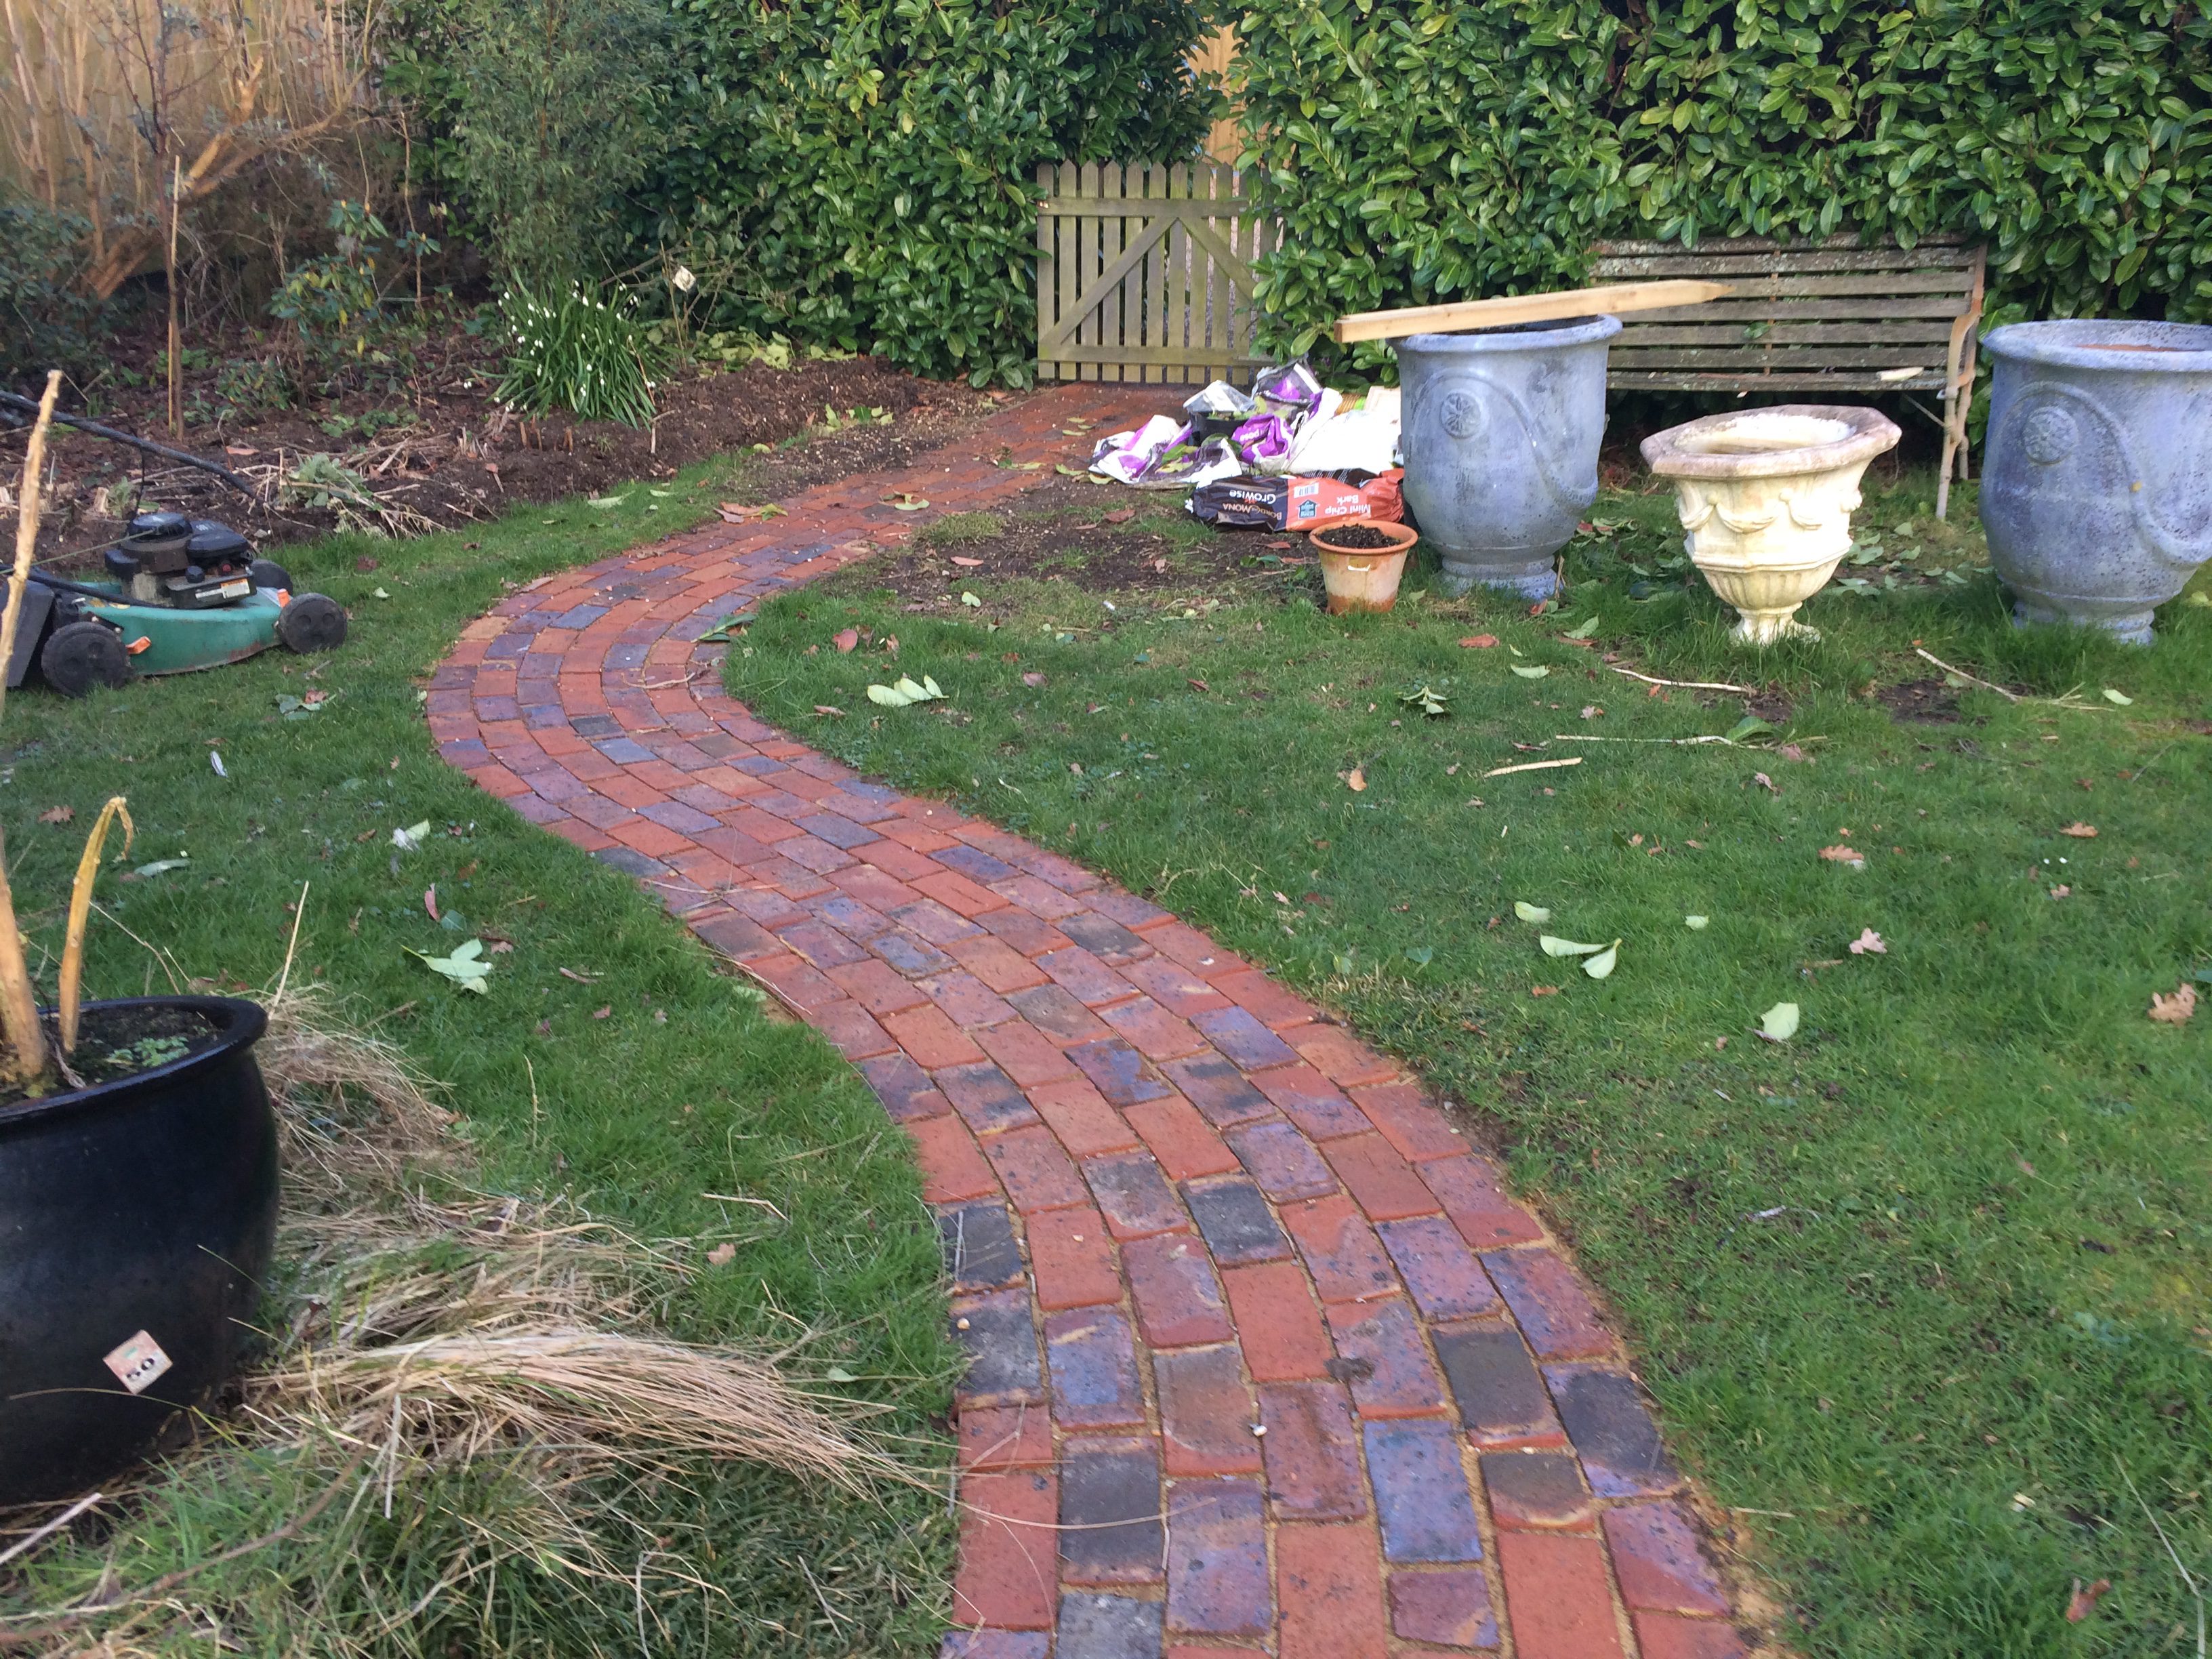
[[437, 449]]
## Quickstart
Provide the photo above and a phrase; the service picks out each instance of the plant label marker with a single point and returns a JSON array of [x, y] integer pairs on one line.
[[139, 1363]]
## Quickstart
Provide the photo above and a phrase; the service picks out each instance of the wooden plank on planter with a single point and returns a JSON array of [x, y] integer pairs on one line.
[[1605, 299]]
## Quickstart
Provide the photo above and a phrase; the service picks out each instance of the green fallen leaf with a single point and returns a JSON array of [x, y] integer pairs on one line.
[[720, 633], [1581, 630], [161, 866], [465, 967], [604, 502], [1696, 924], [412, 837], [1779, 1022], [379, 593], [967, 598], [1600, 965], [1430, 701], [1071, 471], [905, 692], [1422, 955], [1566, 947], [2200, 598], [1530, 912], [839, 1374], [1535, 673], [1749, 727], [2120, 697]]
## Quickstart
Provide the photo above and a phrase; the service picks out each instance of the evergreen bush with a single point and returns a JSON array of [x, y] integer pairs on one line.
[[1419, 150]]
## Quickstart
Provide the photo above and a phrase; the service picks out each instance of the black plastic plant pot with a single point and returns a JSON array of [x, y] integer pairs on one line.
[[136, 1219]]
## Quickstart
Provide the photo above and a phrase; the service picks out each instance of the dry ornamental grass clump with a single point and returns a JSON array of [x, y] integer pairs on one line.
[[480, 1369]]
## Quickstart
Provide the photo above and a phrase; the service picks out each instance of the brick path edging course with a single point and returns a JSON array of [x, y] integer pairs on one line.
[[1262, 1356]]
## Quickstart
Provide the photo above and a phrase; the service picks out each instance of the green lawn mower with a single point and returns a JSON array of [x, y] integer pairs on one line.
[[180, 593]]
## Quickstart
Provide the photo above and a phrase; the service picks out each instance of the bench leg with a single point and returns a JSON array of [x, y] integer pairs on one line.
[[1943, 473]]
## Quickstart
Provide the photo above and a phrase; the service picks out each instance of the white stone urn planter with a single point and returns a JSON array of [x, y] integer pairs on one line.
[[1766, 496]]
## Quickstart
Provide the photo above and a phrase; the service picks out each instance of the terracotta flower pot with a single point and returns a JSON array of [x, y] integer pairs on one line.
[[1362, 578], [1766, 496]]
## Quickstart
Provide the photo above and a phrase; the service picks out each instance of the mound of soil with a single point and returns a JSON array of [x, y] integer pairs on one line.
[[1097, 538], [440, 452]]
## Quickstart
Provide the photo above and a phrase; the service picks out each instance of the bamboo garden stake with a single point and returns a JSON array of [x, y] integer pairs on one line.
[[25, 1063]]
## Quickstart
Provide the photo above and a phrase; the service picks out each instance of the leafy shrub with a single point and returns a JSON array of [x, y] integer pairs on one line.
[[335, 303], [1419, 150], [557, 112], [861, 170], [45, 322], [577, 352], [854, 173]]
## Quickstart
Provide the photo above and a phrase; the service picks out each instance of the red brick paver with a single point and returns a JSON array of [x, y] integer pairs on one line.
[[1232, 1287]]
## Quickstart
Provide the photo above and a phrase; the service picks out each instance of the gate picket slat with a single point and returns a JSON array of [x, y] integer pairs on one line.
[[1065, 267]]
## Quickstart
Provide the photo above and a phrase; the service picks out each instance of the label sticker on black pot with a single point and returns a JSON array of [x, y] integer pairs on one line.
[[139, 1363]]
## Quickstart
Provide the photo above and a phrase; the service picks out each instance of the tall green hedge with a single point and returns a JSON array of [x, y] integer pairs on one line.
[[860, 171], [1427, 150]]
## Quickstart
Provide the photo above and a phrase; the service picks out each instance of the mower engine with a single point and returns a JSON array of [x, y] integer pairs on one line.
[[188, 564]]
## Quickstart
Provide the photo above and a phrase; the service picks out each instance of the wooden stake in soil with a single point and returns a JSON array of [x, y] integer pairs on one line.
[[176, 386], [25, 1061], [1605, 301]]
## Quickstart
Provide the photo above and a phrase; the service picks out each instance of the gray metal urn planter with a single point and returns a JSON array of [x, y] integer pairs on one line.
[[1500, 435], [2097, 486]]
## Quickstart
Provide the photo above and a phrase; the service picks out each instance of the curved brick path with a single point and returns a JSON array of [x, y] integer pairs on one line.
[[1262, 1356]]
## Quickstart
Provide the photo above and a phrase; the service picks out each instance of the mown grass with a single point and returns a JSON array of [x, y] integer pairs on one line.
[[640, 1082], [1922, 1291]]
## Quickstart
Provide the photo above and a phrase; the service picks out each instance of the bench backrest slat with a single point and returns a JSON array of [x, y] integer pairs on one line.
[[1832, 312]]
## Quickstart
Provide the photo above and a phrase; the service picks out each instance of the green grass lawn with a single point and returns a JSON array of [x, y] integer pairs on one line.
[[656, 1083], [1922, 1290]]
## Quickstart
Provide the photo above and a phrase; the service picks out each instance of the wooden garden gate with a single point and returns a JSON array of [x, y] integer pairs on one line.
[[1144, 273]]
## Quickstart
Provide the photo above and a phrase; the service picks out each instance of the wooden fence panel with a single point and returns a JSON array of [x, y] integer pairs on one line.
[[1144, 273]]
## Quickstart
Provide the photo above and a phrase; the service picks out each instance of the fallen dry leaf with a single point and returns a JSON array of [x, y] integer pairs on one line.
[[1765, 782], [430, 902], [1119, 515], [1477, 642], [829, 711], [601, 1014], [2083, 1602], [1869, 942], [2080, 831], [721, 1255], [1032, 679], [2176, 1009], [1196, 685], [58, 815], [1850, 855], [847, 639], [1356, 780], [2061, 890], [970, 564], [581, 978], [1543, 990]]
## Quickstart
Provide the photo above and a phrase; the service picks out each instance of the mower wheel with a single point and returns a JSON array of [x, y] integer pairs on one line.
[[312, 622], [267, 572], [82, 655]]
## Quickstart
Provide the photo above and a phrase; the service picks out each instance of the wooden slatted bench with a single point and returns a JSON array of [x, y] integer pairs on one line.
[[1813, 318]]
